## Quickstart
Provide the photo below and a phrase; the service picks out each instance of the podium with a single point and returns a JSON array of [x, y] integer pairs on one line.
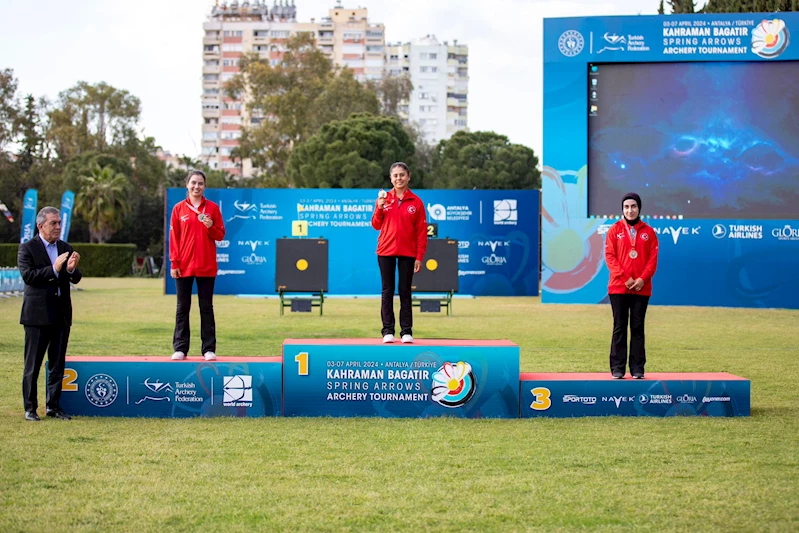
[[431, 377]]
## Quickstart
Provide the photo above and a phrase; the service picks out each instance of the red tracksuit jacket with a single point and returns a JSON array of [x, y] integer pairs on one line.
[[191, 245], [402, 225], [623, 267]]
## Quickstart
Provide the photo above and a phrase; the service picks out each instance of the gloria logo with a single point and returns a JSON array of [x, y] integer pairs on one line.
[[770, 38], [453, 385], [571, 43], [237, 391], [101, 390], [253, 260], [437, 211], [505, 212], [787, 233]]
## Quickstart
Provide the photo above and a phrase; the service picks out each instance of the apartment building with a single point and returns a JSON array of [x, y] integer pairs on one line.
[[440, 76], [346, 36]]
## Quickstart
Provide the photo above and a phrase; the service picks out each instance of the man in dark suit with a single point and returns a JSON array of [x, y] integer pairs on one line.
[[47, 266]]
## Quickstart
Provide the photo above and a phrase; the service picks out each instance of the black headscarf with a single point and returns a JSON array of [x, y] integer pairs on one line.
[[632, 196]]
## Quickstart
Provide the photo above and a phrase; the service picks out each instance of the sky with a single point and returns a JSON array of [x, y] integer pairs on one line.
[[153, 49]]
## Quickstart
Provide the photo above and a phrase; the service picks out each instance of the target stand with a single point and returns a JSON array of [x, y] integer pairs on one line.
[[301, 267], [439, 274]]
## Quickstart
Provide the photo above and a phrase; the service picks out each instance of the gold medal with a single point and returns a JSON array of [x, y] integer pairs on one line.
[[633, 254]]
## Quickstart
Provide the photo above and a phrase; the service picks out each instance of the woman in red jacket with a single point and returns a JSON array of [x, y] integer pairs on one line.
[[631, 253], [195, 225], [400, 217]]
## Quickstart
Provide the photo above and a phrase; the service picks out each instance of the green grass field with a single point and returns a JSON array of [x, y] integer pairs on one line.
[[609, 474]]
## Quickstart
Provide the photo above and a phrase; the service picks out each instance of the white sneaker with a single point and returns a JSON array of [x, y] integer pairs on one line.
[[178, 356], [388, 339], [407, 339], [209, 356]]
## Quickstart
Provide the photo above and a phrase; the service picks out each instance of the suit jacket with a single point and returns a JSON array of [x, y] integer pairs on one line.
[[42, 303]]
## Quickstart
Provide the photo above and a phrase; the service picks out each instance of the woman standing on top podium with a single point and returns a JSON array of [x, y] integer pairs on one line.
[[195, 225], [631, 253], [400, 217]]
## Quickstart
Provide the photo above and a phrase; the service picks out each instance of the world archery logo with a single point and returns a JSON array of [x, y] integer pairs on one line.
[[453, 385], [770, 38]]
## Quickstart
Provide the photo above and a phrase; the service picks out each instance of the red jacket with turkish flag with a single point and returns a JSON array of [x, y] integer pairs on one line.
[[402, 225], [626, 261], [191, 245]]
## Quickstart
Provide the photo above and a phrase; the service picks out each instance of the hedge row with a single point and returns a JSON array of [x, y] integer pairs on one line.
[[96, 260]]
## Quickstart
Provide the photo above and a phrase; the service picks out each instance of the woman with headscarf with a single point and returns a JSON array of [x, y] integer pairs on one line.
[[631, 253]]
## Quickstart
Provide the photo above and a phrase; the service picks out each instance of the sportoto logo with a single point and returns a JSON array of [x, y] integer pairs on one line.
[[437, 211], [453, 385], [101, 390], [719, 231], [237, 391], [770, 38], [505, 212], [571, 43]]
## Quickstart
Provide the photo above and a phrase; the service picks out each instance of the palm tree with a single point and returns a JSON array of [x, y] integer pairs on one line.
[[102, 200]]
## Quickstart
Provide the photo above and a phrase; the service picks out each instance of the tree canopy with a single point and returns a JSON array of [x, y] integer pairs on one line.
[[352, 153]]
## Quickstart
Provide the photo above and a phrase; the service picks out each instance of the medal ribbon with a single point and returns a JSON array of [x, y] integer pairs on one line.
[[632, 234]]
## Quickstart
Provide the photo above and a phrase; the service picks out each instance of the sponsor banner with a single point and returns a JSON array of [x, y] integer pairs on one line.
[[29, 208], [165, 389], [505, 222], [67, 204], [572, 398], [401, 381]]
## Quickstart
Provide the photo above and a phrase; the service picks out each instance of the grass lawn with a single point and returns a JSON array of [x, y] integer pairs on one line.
[[610, 474]]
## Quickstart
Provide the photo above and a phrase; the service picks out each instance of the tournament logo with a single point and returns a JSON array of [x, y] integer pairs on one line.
[[770, 38], [571, 43], [453, 385], [101, 390]]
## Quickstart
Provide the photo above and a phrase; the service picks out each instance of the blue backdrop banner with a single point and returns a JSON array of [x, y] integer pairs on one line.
[[67, 203], [157, 387], [497, 233], [28, 223], [674, 108], [362, 377]]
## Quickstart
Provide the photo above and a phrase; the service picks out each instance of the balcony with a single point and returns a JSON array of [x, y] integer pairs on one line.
[[212, 40], [211, 69]]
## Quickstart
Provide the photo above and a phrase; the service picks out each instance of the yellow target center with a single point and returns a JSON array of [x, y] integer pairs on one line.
[[302, 265], [452, 384], [432, 264], [770, 38]]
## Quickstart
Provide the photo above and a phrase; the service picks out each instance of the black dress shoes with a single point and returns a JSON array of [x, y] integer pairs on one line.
[[31, 416], [58, 413]]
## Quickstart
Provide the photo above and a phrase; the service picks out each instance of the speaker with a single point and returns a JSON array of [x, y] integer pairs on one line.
[[439, 271], [301, 265]]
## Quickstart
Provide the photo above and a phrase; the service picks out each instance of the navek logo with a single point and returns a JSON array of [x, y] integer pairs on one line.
[[677, 232], [253, 244], [494, 244]]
